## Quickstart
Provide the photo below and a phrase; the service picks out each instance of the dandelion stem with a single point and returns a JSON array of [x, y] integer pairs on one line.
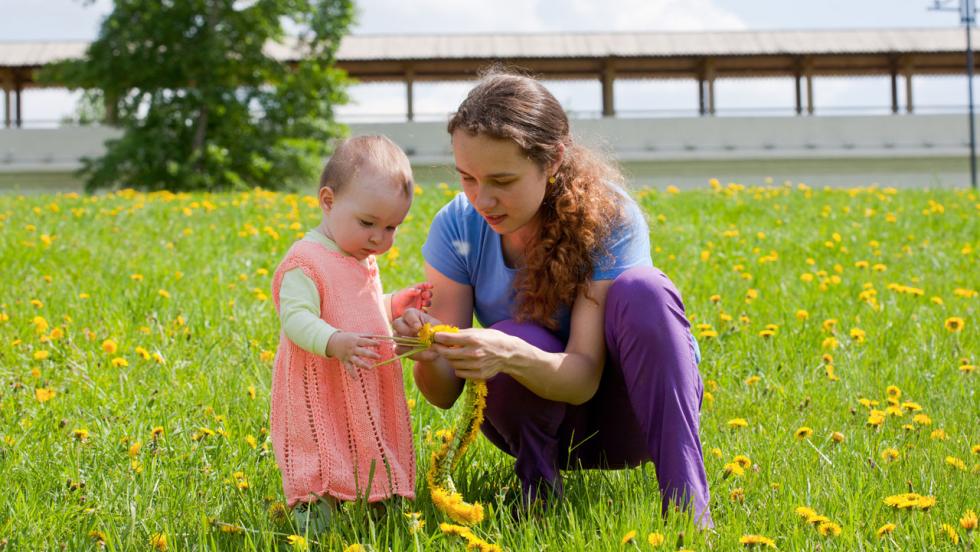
[[399, 357]]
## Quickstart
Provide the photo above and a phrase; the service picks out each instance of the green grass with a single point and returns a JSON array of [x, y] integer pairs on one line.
[[214, 254]]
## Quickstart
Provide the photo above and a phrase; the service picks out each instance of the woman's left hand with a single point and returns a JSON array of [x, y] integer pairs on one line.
[[477, 353]]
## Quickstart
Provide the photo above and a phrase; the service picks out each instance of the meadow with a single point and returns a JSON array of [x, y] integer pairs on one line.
[[839, 333]]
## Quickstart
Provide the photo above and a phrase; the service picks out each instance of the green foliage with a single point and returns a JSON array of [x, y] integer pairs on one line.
[[203, 103]]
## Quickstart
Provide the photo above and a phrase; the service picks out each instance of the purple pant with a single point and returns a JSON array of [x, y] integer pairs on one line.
[[646, 408]]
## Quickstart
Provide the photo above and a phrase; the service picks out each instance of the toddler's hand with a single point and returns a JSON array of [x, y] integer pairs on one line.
[[418, 296], [353, 350]]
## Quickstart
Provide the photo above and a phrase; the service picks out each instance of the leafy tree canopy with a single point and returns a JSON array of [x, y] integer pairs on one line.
[[202, 98]]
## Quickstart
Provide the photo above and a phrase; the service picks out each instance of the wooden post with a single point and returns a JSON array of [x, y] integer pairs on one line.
[[908, 88], [709, 76], [608, 77], [18, 96], [894, 75], [809, 92], [702, 105], [6, 106], [799, 93], [410, 93]]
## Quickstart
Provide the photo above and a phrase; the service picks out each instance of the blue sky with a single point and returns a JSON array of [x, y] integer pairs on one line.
[[78, 19]]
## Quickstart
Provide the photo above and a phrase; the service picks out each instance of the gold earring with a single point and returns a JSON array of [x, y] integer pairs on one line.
[[551, 180]]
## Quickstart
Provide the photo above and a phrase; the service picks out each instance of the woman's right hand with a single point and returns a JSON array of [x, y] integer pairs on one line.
[[408, 325]]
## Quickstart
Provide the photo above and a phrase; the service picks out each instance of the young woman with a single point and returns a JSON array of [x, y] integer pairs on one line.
[[585, 346]]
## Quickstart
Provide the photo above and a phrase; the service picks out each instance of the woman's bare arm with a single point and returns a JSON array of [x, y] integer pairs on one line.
[[571, 376], [452, 303]]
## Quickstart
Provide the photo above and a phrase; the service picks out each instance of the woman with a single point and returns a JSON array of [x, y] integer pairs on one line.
[[586, 350]]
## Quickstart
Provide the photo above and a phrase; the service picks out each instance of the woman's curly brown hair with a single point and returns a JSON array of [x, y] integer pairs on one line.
[[580, 209]]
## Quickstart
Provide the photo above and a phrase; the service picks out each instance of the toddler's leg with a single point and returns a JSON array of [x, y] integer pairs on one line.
[[313, 517]]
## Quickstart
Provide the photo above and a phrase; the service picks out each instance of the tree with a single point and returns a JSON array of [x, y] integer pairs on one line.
[[203, 102]]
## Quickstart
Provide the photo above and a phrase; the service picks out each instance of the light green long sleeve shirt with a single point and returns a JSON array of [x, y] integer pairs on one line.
[[299, 305]]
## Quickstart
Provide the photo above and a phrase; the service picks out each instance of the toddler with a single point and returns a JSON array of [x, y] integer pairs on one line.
[[340, 426]]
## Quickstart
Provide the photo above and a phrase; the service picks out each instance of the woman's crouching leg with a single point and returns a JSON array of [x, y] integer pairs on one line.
[[649, 341], [523, 424]]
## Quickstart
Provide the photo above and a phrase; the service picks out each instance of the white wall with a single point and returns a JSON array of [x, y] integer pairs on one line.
[[891, 150]]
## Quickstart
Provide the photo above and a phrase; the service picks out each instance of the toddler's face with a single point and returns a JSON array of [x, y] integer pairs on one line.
[[363, 217]]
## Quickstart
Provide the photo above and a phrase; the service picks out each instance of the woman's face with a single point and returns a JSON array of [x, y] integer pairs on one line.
[[503, 184]]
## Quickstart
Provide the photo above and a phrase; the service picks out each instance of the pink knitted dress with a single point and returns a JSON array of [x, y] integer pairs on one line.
[[328, 427]]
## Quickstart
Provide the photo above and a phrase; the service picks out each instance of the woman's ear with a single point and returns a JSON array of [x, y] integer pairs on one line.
[[326, 198]]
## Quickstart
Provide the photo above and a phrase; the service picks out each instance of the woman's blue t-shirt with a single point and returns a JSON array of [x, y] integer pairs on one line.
[[463, 247]]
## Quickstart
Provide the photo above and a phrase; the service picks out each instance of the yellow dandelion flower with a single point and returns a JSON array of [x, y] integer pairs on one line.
[[858, 335], [752, 380], [356, 547], [806, 512], [829, 325], [910, 501], [893, 392], [802, 315], [158, 541], [716, 452], [415, 522], [164, 293], [656, 539], [837, 437], [938, 435], [890, 454], [156, 432], [969, 520], [955, 462], [41, 355], [876, 418], [40, 324], [885, 529], [975, 449], [298, 542], [109, 346], [967, 368], [80, 434], [134, 449], [44, 395], [734, 469], [742, 460], [950, 533], [829, 529], [922, 419], [267, 356], [756, 540], [803, 433], [628, 537], [120, 362], [954, 324], [737, 495], [830, 343], [736, 423]]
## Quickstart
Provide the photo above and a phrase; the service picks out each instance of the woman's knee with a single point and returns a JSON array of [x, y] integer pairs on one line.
[[644, 297]]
